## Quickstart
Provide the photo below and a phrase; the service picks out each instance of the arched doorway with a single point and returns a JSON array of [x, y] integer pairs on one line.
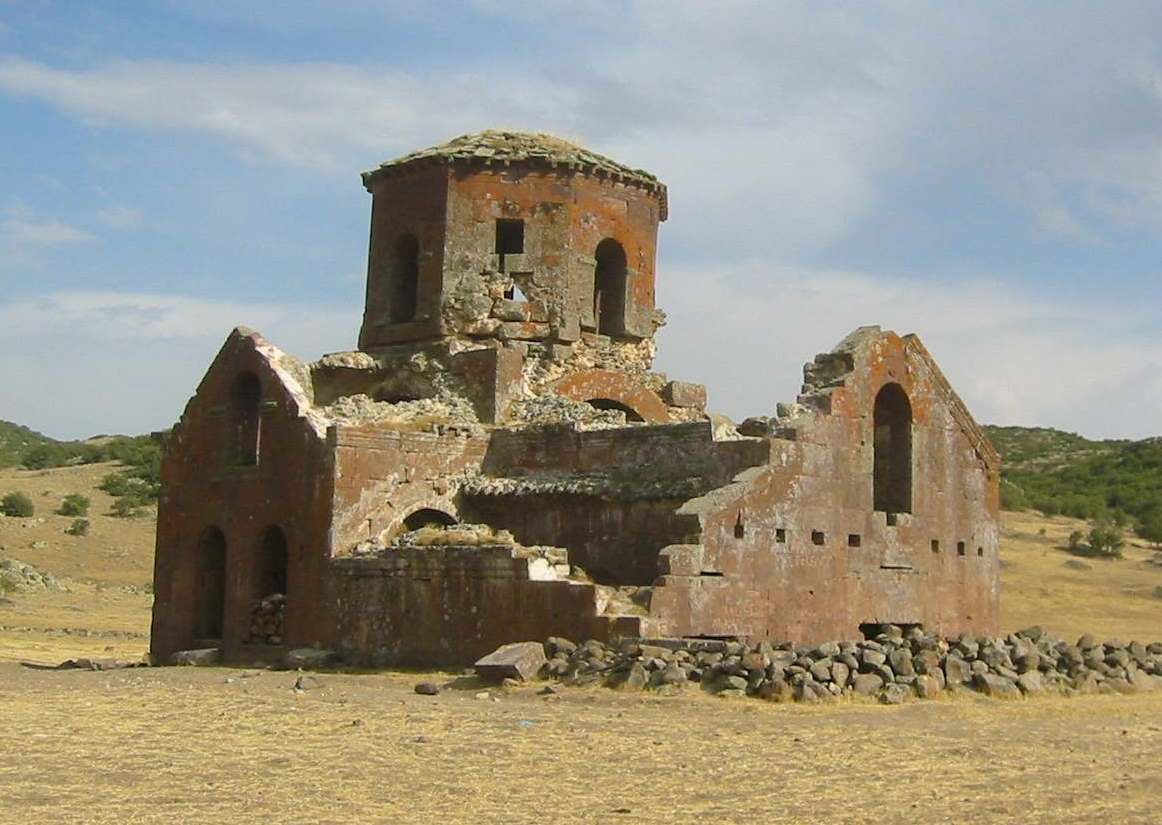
[[210, 584], [609, 282], [245, 425], [892, 474]]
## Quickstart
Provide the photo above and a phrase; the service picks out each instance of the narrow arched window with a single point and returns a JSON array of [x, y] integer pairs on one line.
[[270, 568], [403, 291], [609, 283], [210, 584], [245, 424], [893, 450]]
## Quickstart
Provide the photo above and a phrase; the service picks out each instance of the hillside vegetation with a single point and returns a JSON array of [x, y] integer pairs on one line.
[[1057, 472]]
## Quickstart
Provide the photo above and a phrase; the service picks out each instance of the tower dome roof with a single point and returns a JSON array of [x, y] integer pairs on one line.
[[536, 149]]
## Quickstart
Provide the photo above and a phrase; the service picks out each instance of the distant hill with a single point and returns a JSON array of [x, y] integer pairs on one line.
[[1060, 472], [16, 441]]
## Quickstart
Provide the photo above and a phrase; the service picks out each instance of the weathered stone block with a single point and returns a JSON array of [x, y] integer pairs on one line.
[[684, 394], [519, 660], [203, 657]]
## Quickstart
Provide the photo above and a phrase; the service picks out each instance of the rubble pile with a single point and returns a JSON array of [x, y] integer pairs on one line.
[[443, 414], [267, 620], [21, 576], [893, 667]]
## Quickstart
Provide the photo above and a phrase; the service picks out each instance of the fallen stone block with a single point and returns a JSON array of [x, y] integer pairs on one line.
[[998, 687], [204, 657], [309, 658], [519, 660]]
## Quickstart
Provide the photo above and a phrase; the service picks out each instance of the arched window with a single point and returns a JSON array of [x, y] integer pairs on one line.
[[893, 450], [270, 568], [428, 517], [403, 289], [210, 584], [609, 281], [609, 404], [245, 425]]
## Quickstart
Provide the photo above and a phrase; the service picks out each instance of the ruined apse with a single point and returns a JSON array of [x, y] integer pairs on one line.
[[498, 461]]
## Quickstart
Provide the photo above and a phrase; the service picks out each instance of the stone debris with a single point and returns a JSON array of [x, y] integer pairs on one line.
[[23, 576], [267, 620], [203, 657], [893, 667], [427, 688], [310, 658], [520, 660], [554, 409], [447, 414]]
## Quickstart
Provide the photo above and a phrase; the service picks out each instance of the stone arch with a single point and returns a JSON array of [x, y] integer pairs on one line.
[[271, 563], [209, 584], [892, 467], [404, 279], [245, 423], [609, 387], [631, 414], [427, 516], [610, 277]]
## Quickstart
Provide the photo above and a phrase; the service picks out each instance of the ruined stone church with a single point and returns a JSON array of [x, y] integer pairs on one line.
[[497, 461]]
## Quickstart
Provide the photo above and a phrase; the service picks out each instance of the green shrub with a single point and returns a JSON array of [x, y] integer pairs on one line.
[[1151, 528], [79, 527], [7, 586], [1075, 541], [126, 507], [17, 504], [74, 504], [1106, 540]]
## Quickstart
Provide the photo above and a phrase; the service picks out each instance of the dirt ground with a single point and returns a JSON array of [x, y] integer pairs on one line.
[[227, 745]]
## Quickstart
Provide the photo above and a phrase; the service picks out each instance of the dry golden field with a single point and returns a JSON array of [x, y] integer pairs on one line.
[[226, 745]]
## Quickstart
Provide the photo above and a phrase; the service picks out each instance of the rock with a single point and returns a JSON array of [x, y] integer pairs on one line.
[[872, 658], [926, 662], [307, 682], [1142, 680], [827, 650], [776, 690], [549, 690], [894, 694], [1087, 642], [309, 658], [638, 677], [840, 673], [734, 683], [427, 688], [901, 662], [1030, 682], [203, 657], [671, 675], [998, 687], [821, 670], [1033, 633], [556, 644], [754, 661], [867, 684], [926, 686], [519, 660]]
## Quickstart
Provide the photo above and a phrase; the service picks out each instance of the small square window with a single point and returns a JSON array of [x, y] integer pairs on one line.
[[781, 535], [853, 540], [893, 519], [817, 537], [935, 545], [960, 548], [510, 236]]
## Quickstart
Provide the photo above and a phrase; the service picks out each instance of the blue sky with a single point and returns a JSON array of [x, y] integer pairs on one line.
[[987, 175]]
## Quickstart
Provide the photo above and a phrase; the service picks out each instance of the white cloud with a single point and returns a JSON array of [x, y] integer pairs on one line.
[[23, 230], [747, 330], [119, 216], [79, 363]]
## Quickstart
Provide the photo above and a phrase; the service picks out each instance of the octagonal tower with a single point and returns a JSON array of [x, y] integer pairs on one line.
[[511, 236]]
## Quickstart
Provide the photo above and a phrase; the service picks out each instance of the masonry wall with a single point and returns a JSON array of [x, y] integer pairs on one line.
[[818, 488], [288, 488], [439, 606]]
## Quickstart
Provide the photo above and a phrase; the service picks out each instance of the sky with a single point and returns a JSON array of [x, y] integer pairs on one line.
[[986, 175]]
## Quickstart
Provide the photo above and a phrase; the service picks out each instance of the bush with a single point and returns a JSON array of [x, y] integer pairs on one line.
[[1151, 529], [74, 504], [6, 586], [17, 504], [79, 527], [126, 507], [1106, 540], [1075, 541]]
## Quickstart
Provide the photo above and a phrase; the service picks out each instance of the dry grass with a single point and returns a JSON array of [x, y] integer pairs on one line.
[[218, 745]]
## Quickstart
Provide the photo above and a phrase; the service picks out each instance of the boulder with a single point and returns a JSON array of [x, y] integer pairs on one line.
[[309, 658], [1142, 680], [203, 657], [638, 677], [1030, 682], [926, 686], [427, 688], [519, 660], [998, 687], [895, 694], [867, 684]]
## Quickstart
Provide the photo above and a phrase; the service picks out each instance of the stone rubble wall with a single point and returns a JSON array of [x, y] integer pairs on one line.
[[893, 667]]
